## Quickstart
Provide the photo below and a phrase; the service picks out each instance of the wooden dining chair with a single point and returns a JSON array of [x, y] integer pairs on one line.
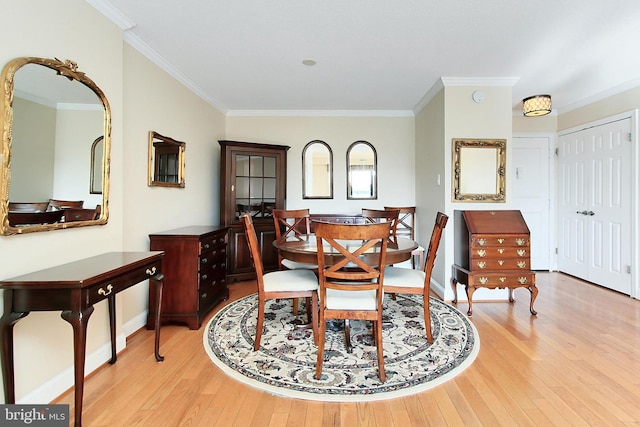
[[280, 284], [372, 216], [399, 280], [351, 277], [406, 228], [292, 222]]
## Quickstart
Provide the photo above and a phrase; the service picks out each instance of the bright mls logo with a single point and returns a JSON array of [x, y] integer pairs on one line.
[[34, 415]]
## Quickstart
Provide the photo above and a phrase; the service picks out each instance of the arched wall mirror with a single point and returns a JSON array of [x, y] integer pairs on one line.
[[317, 171], [56, 127], [478, 170], [166, 161], [362, 171]]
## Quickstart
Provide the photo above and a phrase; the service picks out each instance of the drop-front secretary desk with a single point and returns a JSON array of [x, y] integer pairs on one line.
[[492, 250]]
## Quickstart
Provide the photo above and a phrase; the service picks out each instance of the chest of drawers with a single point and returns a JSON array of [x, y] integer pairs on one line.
[[492, 250], [195, 273]]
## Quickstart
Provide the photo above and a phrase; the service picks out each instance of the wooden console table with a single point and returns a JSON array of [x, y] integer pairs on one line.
[[74, 288]]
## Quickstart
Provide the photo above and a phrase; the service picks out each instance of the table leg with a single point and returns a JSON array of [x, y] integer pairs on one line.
[[112, 326], [158, 280], [78, 321], [7, 321]]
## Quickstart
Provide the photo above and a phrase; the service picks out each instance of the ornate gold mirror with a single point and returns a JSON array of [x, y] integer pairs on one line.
[[478, 170], [166, 161], [317, 171], [362, 171], [52, 116]]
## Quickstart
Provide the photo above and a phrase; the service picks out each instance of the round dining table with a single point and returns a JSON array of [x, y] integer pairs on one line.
[[303, 248]]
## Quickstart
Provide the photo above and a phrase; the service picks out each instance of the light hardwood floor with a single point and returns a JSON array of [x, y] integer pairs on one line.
[[575, 364]]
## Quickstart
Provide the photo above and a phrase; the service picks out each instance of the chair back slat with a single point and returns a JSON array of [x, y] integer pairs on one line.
[[373, 216]]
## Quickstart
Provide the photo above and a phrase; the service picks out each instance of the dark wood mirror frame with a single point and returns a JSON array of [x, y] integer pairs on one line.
[[317, 169], [368, 162], [69, 70]]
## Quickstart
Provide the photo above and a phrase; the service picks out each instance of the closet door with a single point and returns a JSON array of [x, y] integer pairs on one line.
[[595, 204]]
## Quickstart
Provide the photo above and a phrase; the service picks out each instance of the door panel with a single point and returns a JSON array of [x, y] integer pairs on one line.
[[595, 204], [531, 193]]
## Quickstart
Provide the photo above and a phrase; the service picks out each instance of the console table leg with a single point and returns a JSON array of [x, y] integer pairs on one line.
[[454, 285], [158, 280], [7, 321], [78, 321], [470, 290], [112, 327]]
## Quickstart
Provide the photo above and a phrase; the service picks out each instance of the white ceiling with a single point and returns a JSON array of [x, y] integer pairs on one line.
[[384, 55]]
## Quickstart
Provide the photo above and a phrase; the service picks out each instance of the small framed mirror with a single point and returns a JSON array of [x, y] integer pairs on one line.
[[317, 171], [166, 161], [478, 170], [362, 171]]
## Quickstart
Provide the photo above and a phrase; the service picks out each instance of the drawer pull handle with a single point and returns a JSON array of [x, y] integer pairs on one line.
[[501, 251], [482, 242], [501, 241], [151, 271], [521, 264], [482, 264], [521, 252], [483, 280], [482, 253], [520, 242], [522, 280], [502, 279], [501, 262], [107, 292]]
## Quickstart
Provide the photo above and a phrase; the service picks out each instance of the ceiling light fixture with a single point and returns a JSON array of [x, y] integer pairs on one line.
[[309, 62], [537, 105]]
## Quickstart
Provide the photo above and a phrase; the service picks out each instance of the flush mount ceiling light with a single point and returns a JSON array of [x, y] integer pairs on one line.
[[309, 62], [537, 105]]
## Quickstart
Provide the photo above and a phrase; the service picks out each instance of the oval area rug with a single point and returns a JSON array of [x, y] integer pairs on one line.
[[285, 363]]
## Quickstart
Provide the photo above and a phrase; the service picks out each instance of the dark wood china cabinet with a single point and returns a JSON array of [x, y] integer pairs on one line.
[[253, 181]]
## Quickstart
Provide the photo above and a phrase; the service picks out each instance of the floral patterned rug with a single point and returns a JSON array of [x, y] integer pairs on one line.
[[285, 363]]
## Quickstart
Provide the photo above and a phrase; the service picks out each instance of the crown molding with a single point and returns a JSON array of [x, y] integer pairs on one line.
[[479, 81], [632, 84], [320, 113]]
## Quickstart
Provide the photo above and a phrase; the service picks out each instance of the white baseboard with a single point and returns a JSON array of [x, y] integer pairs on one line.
[[62, 382]]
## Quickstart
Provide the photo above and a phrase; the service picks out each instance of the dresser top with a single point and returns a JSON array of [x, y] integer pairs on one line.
[[192, 230], [495, 221]]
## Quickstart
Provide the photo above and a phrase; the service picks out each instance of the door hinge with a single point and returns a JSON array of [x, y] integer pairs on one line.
[[628, 269], [557, 151], [556, 251], [629, 136]]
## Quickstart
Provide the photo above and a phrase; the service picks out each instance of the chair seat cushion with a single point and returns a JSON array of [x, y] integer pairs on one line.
[[290, 280], [351, 300], [403, 277], [293, 265]]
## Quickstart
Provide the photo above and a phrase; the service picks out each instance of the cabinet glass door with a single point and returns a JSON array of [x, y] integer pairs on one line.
[[255, 185]]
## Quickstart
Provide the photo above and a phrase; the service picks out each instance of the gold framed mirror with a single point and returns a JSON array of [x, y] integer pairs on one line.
[[166, 161], [362, 171], [317, 171], [50, 114], [478, 169]]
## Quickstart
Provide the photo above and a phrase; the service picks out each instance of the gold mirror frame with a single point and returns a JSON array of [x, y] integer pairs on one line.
[[68, 69], [161, 150], [478, 170], [317, 170]]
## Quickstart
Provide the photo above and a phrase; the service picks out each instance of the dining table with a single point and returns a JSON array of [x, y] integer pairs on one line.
[[303, 248]]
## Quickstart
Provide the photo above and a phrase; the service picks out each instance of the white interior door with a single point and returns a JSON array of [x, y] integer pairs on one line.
[[531, 193], [595, 204]]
